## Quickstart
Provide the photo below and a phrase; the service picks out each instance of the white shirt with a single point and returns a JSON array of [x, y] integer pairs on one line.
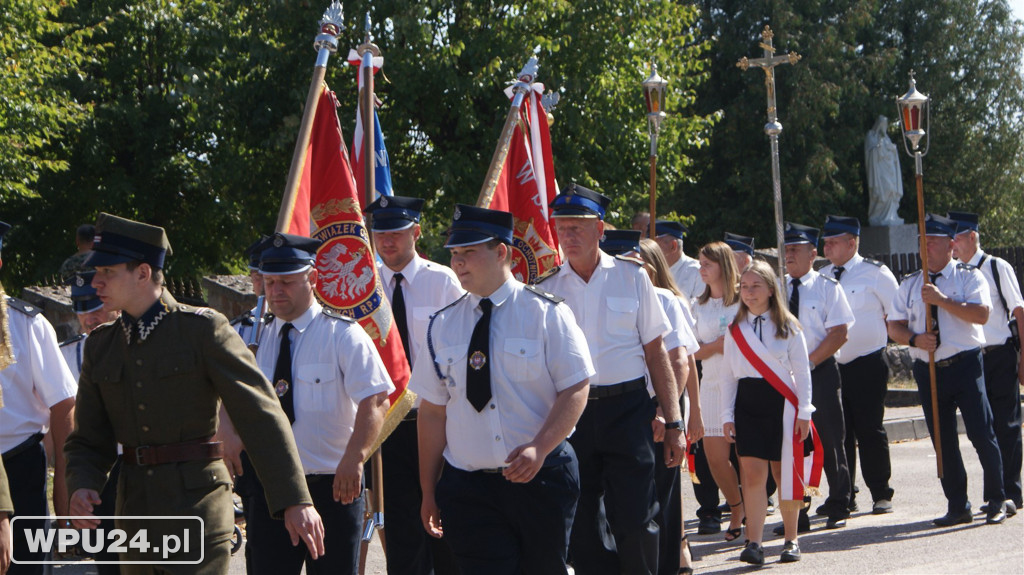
[[713, 319], [870, 288], [335, 365], [790, 352], [680, 334], [37, 380], [536, 351], [426, 287], [686, 272], [72, 352], [996, 330], [963, 284], [823, 305], [619, 312]]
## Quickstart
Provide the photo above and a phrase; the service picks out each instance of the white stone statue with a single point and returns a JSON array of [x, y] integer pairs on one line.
[[885, 186]]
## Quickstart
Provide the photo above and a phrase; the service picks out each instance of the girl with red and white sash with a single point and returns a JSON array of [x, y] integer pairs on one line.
[[767, 406]]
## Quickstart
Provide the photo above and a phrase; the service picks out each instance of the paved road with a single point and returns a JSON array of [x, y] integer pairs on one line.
[[901, 542]]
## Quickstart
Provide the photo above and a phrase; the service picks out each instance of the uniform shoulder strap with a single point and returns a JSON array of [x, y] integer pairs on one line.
[[551, 272], [335, 314], [23, 306], [73, 340], [544, 295], [636, 261], [875, 263]]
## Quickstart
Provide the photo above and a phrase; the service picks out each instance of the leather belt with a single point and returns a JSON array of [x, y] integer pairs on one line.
[[953, 358], [33, 440], [196, 450], [603, 391], [996, 347]]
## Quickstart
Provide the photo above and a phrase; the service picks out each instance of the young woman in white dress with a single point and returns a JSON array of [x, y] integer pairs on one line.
[[715, 309]]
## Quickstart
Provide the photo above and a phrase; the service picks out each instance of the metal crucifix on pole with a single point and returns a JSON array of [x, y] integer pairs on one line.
[[773, 128]]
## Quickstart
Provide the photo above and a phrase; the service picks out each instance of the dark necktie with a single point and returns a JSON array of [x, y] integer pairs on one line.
[[838, 271], [935, 308], [398, 309], [758, 320], [478, 367], [794, 300], [283, 374]]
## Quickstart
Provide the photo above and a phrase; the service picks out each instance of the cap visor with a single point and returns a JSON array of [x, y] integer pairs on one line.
[[391, 224], [97, 259]]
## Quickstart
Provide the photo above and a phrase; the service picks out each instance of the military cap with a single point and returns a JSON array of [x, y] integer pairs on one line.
[[254, 250], [4, 227], [119, 240], [618, 242], [395, 213], [575, 201], [472, 225], [965, 221], [936, 225], [285, 254], [839, 225], [740, 243], [798, 234], [83, 295], [669, 228]]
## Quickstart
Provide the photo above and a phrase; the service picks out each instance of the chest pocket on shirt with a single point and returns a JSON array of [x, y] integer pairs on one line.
[[813, 305], [524, 359], [451, 361], [857, 295], [622, 312], [316, 387], [420, 320], [107, 378]]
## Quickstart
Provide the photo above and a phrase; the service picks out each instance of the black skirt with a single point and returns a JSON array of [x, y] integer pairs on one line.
[[758, 417]]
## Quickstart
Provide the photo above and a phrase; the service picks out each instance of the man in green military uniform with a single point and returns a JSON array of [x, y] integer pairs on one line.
[[153, 381]]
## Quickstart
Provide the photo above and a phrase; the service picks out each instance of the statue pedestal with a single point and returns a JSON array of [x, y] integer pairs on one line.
[[889, 239]]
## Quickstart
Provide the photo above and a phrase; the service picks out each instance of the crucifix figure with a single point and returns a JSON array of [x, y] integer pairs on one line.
[[773, 128]]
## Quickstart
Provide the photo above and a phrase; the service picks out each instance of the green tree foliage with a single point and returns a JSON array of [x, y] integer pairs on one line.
[[856, 55]]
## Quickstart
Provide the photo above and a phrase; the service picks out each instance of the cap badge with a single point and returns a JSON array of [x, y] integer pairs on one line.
[[278, 242], [383, 201], [458, 214], [79, 281]]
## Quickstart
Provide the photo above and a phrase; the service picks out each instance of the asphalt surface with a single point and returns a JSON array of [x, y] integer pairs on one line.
[[904, 541]]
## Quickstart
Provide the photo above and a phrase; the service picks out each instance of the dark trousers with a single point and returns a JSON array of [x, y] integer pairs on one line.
[[829, 421], [615, 446], [496, 527], [865, 381], [26, 475], [268, 546], [670, 515], [706, 492], [962, 385], [410, 549], [1001, 387]]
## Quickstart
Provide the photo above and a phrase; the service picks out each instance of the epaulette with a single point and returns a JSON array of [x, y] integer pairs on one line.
[[833, 280], [963, 266], [547, 274], [244, 319], [199, 311], [75, 339], [910, 275], [23, 306], [636, 261], [333, 313], [548, 296], [875, 263]]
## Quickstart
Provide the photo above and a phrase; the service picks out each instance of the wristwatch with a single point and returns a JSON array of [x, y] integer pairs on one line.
[[912, 338], [674, 424]]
